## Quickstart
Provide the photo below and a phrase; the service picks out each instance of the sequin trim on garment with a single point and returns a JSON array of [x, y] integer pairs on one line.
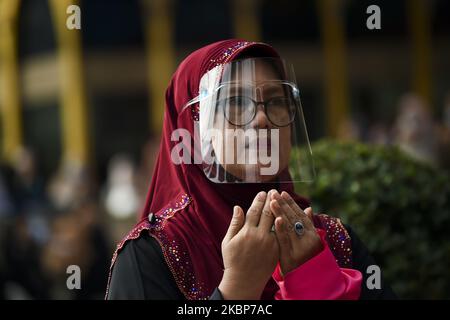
[[223, 57]]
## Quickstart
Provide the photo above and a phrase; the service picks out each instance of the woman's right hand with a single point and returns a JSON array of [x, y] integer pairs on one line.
[[250, 251]]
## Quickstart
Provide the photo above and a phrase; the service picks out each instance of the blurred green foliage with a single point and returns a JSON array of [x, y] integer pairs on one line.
[[399, 207]]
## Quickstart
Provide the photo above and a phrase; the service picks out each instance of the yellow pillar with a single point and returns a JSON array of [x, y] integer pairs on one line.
[[420, 30], [159, 33], [336, 89], [246, 20], [10, 108], [75, 128]]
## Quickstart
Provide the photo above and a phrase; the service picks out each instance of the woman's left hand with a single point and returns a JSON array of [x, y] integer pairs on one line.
[[294, 249]]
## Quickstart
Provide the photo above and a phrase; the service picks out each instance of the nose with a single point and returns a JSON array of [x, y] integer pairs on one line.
[[260, 121]]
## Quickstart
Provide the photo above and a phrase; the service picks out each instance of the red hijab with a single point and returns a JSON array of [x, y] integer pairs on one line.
[[192, 213]]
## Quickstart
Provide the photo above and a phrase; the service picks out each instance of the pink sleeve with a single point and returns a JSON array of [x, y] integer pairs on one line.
[[320, 278]]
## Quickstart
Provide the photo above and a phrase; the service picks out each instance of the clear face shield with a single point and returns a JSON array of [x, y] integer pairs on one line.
[[251, 127]]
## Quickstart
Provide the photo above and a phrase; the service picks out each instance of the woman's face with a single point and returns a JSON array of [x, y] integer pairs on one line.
[[258, 150]]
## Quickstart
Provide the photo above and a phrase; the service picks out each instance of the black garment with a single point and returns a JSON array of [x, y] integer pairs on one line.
[[95, 276], [140, 272]]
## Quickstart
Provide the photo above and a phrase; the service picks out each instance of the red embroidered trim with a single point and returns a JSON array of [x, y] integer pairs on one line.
[[177, 257], [338, 240]]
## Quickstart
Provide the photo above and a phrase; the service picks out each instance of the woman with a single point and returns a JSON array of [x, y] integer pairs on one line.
[[222, 221]]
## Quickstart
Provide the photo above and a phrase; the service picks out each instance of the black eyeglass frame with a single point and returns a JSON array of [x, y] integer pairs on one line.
[[265, 105]]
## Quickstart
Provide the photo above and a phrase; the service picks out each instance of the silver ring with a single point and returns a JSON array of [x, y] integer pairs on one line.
[[299, 228]]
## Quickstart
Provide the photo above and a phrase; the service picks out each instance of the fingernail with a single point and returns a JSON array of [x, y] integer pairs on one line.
[[262, 195], [236, 211]]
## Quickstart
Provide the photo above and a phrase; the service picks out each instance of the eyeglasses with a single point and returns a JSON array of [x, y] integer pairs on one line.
[[241, 110]]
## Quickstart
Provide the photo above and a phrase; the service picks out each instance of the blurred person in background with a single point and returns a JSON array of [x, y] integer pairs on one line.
[[120, 194], [146, 166], [379, 134], [350, 129], [31, 194], [444, 135], [70, 184]]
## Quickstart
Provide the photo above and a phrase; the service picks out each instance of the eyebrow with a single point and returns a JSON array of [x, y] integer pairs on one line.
[[272, 90]]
